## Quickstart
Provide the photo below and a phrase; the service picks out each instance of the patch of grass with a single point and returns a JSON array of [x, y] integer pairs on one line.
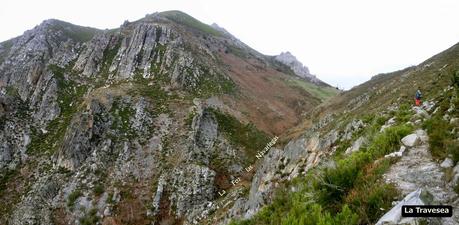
[[455, 79], [90, 218], [322, 93], [12, 91], [5, 176], [404, 113], [441, 140], [109, 56], [188, 21], [210, 85], [98, 190], [73, 197], [75, 32], [189, 118], [388, 141], [245, 135], [152, 90], [122, 115], [5, 49]]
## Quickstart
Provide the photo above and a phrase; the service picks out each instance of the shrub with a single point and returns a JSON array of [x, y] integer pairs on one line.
[[455, 79], [440, 138], [90, 218], [73, 197], [388, 141], [98, 190]]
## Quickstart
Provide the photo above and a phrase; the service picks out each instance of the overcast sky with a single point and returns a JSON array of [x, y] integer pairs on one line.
[[343, 42]]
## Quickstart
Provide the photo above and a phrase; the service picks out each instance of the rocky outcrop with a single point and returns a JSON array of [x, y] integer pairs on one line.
[[82, 135], [302, 71]]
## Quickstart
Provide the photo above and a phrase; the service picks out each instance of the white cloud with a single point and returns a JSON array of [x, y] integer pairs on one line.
[[343, 42]]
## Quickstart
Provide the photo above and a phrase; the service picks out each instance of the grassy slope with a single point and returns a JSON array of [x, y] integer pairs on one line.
[[188, 21]]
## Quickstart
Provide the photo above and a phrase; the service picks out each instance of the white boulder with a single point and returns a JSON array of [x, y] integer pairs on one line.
[[410, 140], [355, 146], [447, 163]]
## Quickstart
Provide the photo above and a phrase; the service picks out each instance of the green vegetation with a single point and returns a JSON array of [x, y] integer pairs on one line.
[[188, 21], [77, 33], [210, 85], [189, 118], [442, 140], [122, 115], [160, 50], [152, 89], [455, 79], [98, 190], [350, 193], [245, 135], [73, 197], [90, 218], [237, 51], [403, 114], [69, 95], [5, 176], [8, 194], [323, 93], [109, 56], [12, 91], [5, 49]]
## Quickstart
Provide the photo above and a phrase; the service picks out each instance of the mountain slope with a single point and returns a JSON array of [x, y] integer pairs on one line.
[[136, 125], [362, 149]]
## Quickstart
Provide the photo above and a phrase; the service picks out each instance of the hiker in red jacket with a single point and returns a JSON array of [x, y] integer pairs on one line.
[[418, 97]]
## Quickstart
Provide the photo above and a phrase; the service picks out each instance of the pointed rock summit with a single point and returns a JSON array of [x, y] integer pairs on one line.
[[298, 68]]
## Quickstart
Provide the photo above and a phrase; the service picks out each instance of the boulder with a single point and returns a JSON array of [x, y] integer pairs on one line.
[[394, 216], [455, 175], [447, 163], [398, 153], [410, 140], [355, 146]]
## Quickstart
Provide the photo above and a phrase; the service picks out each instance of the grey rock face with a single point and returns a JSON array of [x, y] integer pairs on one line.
[[206, 127], [27, 59], [302, 71], [352, 127], [91, 59], [193, 187], [356, 145], [36, 207], [77, 144]]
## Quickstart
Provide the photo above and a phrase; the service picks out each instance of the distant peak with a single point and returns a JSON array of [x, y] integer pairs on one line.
[[298, 68]]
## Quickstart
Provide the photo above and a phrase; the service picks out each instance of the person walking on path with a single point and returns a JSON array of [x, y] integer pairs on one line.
[[418, 97]]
